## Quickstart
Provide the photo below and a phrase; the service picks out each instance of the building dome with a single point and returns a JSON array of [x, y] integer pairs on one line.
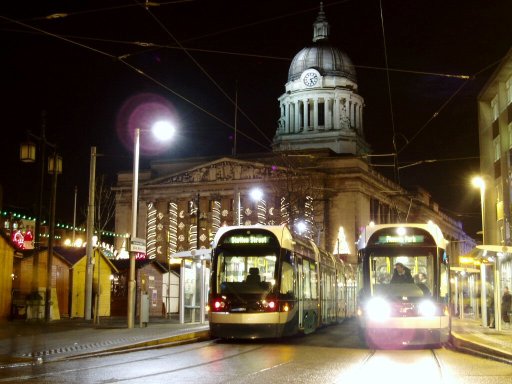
[[326, 59], [321, 55]]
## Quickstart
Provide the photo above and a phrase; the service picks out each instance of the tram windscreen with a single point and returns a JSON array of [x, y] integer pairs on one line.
[[247, 271], [402, 275]]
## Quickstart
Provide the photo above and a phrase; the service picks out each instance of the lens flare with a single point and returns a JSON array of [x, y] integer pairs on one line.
[[143, 111]]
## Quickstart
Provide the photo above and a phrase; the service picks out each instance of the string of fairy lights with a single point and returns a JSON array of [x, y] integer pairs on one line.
[[19, 216]]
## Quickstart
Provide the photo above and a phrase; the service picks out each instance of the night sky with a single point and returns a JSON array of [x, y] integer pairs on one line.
[[90, 64]]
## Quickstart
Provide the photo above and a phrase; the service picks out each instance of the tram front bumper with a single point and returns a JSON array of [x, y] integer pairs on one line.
[[407, 331]]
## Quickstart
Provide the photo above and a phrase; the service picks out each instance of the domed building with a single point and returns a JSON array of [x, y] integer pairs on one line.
[[315, 176], [321, 107]]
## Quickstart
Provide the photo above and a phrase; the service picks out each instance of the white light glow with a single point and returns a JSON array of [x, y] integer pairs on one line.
[[378, 309], [301, 227], [400, 231], [256, 194], [163, 130], [427, 308]]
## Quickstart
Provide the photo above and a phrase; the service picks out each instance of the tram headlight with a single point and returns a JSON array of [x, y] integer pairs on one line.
[[378, 309], [427, 308]]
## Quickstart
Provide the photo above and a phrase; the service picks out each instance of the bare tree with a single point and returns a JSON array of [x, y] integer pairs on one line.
[[299, 186], [104, 205]]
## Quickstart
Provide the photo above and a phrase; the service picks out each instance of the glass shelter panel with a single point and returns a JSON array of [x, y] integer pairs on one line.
[[196, 273]]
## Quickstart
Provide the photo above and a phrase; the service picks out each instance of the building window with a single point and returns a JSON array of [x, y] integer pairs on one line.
[[494, 108], [496, 146]]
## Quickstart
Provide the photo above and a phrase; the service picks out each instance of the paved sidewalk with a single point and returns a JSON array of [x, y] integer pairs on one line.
[[27, 342], [32, 342], [470, 336]]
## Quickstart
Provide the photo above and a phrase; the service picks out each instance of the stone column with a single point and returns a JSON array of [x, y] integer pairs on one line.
[[297, 117], [306, 115], [315, 114]]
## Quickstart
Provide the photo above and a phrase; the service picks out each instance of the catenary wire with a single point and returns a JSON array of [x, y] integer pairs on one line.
[[207, 74], [135, 69], [390, 97]]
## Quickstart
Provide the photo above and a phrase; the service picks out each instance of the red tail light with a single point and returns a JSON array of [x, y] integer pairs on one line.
[[274, 305], [218, 305], [270, 305]]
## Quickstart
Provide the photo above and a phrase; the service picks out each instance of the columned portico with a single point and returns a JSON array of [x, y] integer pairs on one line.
[[321, 107]]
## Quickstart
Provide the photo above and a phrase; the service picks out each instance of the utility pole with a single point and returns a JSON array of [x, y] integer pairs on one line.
[[90, 235], [49, 273]]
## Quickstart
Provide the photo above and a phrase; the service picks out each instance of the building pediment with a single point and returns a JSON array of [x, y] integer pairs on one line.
[[223, 169]]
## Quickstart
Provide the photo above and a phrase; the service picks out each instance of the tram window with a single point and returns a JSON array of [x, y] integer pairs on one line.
[[421, 268], [307, 279], [314, 281], [287, 279], [235, 269], [445, 282]]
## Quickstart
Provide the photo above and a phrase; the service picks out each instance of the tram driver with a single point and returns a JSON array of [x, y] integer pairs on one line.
[[254, 276], [401, 275]]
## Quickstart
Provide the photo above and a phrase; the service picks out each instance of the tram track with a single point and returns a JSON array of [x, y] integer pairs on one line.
[[169, 354], [391, 365]]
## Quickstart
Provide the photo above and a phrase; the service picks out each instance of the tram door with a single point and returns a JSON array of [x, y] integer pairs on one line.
[[300, 293]]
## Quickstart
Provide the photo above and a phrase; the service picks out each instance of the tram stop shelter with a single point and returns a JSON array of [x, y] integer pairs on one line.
[[193, 284]]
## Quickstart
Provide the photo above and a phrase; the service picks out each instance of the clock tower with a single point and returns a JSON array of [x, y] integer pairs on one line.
[[321, 107]]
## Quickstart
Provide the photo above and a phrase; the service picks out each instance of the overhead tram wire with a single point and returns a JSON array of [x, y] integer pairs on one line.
[[155, 46], [42, 31], [142, 73], [146, 5], [435, 114], [135, 69], [61, 15], [207, 74], [67, 38], [395, 159]]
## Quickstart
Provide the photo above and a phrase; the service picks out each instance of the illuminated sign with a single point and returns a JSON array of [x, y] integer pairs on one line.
[[248, 239], [405, 239]]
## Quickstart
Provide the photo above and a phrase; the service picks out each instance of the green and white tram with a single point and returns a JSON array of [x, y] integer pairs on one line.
[[403, 275], [267, 282]]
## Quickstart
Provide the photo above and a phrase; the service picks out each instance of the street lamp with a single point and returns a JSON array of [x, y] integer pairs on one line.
[[162, 130], [479, 182], [54, 168], [28, 155]]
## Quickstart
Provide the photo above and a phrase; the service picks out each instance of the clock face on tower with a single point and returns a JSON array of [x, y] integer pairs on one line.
[[310, 79]]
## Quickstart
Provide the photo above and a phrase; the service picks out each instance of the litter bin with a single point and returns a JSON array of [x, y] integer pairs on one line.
[[144, 310], [35, 306]]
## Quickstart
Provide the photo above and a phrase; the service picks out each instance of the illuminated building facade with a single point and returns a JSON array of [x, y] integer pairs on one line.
[[317, 179]]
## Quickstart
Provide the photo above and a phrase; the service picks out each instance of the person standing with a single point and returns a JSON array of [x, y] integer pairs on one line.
[[490, 310], [506, 303]]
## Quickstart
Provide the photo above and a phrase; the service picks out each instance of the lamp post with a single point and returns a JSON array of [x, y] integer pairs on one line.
[[90, 234], [55, 168], [479, 182], [162, 130], [28, 155]]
